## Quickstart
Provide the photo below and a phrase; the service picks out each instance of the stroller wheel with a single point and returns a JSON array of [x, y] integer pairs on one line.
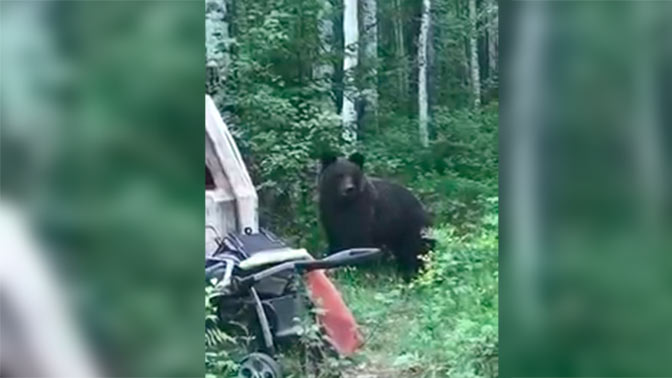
[[259, 365]]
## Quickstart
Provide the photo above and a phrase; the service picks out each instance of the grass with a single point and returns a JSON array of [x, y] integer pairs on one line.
[[385, 310], [444, 324]]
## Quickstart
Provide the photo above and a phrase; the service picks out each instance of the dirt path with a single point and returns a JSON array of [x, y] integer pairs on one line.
[[384, 313]]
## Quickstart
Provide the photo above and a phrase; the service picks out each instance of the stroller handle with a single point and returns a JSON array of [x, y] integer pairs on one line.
[[343, 258], [340, 259]]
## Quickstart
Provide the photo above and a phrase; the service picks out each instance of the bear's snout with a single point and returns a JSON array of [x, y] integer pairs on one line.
[[347, 188]]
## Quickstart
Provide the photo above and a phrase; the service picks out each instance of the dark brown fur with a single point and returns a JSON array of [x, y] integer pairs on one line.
[[361, 211]]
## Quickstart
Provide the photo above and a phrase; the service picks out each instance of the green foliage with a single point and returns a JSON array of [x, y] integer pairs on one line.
[[280, 118], [218, 345], [313, 356], [449, 314], [458, 317], [455, 175], [461, 170], [283, 117]]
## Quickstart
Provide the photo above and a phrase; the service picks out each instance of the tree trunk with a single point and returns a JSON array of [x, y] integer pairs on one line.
[[423, 106], [324, 71], [351, 39], [648, 135], [370, 21], [493, 38], [524, 69], [473, 39], [402, 71]]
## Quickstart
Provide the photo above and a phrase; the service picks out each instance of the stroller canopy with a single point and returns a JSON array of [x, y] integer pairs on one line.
[[230, 197]]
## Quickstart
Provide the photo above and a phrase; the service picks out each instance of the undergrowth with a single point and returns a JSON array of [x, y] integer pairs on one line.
[[443, 324], [219, 346]]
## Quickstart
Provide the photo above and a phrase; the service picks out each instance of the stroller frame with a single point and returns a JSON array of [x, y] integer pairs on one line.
[[259, 286]]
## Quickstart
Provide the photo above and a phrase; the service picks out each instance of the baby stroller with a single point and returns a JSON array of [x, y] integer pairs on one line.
[[260, 279]]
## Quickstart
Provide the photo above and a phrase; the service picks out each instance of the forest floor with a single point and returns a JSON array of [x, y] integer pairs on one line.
[[384, 310]]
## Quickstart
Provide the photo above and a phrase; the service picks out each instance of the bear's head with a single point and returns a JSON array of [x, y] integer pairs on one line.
[[342, 179]]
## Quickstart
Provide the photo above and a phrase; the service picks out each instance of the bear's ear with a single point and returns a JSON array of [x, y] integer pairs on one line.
[[358, 159], [327, 158]]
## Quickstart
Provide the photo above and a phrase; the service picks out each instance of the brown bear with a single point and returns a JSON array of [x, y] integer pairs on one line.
[[361, 211]]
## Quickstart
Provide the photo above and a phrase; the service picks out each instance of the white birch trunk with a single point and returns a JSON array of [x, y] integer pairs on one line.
[[351, 39], [423, 106], [473, 39], [369, 18]]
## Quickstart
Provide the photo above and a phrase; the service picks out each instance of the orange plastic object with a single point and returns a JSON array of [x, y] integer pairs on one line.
[[337, 319]]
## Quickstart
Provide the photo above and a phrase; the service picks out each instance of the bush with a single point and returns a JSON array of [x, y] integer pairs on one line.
[[457, 328], [218, 345], [455, 175]]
